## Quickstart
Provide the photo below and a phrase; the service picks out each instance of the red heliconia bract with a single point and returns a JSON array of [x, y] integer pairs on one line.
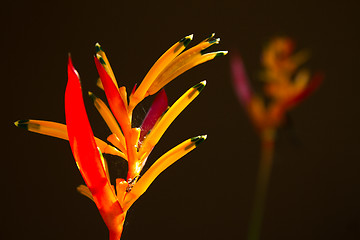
[[87, 155], [158, 107]]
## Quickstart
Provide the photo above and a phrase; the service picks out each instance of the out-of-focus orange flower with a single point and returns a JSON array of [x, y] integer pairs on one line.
[[134, 144], [285, 83]]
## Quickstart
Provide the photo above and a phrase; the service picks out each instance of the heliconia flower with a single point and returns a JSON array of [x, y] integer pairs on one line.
[[284, 83], [134, 144]]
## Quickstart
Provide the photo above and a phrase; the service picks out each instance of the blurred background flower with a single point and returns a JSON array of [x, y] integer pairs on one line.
[[285, 84], [319, 154]]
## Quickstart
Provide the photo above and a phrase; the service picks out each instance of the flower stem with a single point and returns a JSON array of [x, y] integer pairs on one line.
[[267, 152]]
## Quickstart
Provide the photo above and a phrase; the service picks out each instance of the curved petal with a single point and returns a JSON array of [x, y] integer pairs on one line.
[[159, 129], [86, 153], [59, 130], [185, 61], [109, 119], [159, 65], [115, 101], [159, 166]]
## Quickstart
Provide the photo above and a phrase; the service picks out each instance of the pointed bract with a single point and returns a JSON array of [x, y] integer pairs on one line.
[[86, 154], [158, 107], [113, 96], [240, 80]]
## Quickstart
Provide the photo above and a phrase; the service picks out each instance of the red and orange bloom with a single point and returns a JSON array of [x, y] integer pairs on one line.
[[284, 84], [134, 144]]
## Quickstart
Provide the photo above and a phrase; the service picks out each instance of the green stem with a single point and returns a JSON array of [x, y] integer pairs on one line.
[[267, 152]]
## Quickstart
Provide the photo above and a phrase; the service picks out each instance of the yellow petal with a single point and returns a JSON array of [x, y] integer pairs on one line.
[[301, 80], [160, 64], [134, 167], [99, 84], [114, 139], [123, 95], [121, 186], [159, 166], [179, 66], [154, 136], [84, 190], [108, 117], [188, 59], [59, 130], [52, 129], [113, 151]]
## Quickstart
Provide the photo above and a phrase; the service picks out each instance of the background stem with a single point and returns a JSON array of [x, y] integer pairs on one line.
[[267, 152]]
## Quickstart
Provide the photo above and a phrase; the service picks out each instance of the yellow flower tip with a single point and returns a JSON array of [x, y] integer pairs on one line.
[[22, 124], [203, 137], [220, 53], [100, 58], [98, 48], [186, 40], [92, 96], [207, 44], [200, 86], [214, 41], [210, 37], [198, 139]]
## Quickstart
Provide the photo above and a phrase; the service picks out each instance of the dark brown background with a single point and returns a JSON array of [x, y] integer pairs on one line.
[[315, 185]]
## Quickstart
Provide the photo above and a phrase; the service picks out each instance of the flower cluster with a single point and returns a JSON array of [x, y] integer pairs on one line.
[[134, 144], [285, 83]]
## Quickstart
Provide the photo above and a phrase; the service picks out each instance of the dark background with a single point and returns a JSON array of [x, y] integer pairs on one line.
[[314, 191]]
